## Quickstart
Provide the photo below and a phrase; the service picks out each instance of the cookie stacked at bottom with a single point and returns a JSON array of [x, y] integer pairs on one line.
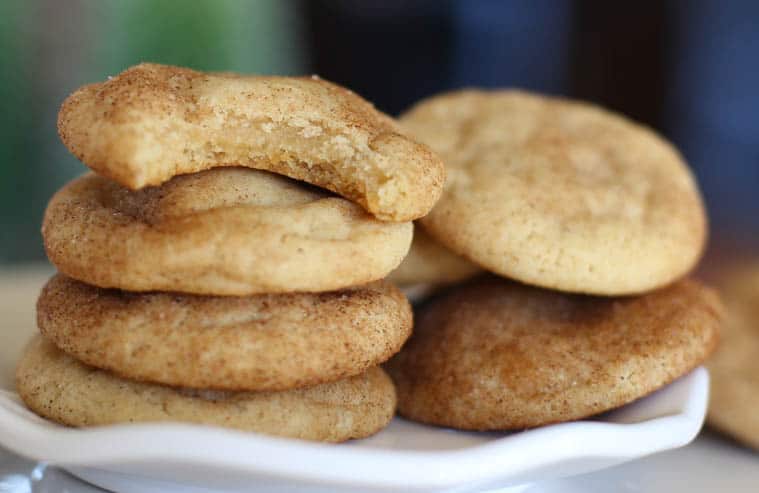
[[230, 296], [589, 225]]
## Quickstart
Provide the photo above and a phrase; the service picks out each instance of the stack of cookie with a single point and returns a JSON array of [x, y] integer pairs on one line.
[[197, 285], [600, 222]]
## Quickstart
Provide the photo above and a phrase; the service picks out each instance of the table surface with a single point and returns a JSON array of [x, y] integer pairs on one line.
[[711, 463]]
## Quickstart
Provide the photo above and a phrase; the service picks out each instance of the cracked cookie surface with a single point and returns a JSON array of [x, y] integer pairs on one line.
[[58, 387], [497, 355], [559, 194], [227, 231], [259, 342], [153, 122]]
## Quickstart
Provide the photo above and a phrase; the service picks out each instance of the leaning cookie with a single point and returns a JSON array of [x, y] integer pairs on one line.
[[153, 122], [734, 368], [259, 342], [497, 355], [230, 231], [58, 387], [429, 262], [558, 193]]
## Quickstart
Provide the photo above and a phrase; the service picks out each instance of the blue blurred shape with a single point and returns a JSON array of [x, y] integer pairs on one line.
[[522, 43], [714, 113]]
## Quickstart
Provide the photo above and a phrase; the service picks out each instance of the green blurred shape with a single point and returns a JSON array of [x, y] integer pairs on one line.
[[17, 232], [234, 35]]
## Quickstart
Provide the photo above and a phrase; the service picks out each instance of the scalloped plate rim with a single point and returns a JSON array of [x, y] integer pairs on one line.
[[284, 458]]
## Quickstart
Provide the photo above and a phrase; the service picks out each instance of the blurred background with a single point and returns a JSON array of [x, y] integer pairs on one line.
[[689, 69]]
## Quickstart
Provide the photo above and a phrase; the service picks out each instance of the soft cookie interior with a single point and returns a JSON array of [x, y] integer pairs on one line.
[[153, 122]]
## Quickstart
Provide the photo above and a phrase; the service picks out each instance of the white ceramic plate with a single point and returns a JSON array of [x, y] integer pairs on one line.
[[405, 456]]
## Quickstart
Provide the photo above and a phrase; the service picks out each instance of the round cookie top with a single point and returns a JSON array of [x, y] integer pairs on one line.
[[58, 387], [559, 194], [734, 368], [429, 262], [260, 342], [497, 355], [227, 231], [152, 122]]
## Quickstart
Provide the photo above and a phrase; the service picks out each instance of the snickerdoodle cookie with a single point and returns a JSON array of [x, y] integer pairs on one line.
[[734, 369], [227, 231], [58, 387], [152, 122], [497, 355], [560, 194], [259, 342], [429, 262]]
